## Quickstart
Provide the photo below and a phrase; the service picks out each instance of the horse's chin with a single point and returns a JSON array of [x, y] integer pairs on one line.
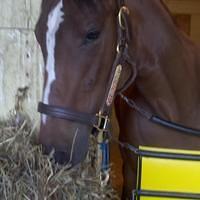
[[72, 152]]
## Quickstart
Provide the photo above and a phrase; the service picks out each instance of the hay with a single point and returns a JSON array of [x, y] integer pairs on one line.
[[27, 174]]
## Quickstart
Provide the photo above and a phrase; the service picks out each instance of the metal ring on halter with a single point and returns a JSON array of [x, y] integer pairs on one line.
[[119, 47], [122, 10]]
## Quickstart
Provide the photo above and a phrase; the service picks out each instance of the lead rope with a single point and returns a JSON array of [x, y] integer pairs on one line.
[[133, 105], [123, 145], [160, 121]]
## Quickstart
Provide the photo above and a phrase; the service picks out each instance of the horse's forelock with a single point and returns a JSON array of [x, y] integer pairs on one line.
[[88, 3], [93, 4]]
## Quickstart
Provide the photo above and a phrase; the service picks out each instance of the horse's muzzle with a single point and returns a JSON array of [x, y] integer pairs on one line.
[[59, 157], [71, 151]]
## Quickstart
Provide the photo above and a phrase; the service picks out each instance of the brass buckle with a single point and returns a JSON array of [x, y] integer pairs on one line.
[[122, 10], [102, 123], [104, 178]]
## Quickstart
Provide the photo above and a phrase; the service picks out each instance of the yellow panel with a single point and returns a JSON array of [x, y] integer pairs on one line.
[[164, 150], [161, 198], [170, 175]]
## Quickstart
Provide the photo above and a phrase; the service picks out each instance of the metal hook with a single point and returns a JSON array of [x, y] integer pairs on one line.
[[122, 10], [119, 47], [104, 178]]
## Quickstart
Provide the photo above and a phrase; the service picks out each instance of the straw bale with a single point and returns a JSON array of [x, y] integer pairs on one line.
[[27, 174]]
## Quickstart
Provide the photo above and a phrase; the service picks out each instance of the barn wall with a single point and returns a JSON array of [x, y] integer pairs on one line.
[[21, 63], [192, 8]]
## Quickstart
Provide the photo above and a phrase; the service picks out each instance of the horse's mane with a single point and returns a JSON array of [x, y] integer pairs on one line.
[[94, 5]]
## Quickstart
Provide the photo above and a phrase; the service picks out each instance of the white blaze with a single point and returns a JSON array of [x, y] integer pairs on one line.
[[55, 18]]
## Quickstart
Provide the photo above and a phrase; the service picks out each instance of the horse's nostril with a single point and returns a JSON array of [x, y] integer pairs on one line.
[[61, 157], [70, 152]]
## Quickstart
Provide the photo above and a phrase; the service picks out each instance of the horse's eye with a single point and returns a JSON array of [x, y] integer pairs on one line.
[[92, 36]]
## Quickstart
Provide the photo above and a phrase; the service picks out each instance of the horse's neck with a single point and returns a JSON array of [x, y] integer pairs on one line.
[[168, 71]]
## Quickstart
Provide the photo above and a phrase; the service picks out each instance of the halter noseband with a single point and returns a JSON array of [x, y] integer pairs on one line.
[[100, 121]]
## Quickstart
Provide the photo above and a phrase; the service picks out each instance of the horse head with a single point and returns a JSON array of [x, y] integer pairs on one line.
[[84, 45]]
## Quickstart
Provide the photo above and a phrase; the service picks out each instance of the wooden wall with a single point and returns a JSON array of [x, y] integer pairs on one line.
[[21, 64], [191, 8]]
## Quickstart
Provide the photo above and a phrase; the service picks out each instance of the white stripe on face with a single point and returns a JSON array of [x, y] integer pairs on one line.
[[55, 18]]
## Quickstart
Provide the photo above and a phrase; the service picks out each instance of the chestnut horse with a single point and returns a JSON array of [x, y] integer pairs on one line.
[[159, 63]]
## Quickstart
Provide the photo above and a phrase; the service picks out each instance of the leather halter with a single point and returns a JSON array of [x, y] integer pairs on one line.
[[100, 121]]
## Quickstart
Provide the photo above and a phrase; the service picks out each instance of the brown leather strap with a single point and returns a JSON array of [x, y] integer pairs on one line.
[[121, 56], [67, 114], [159, 121], [120, 3]]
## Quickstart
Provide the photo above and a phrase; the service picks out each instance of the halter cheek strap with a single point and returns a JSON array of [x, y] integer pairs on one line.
[[120, 60]]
